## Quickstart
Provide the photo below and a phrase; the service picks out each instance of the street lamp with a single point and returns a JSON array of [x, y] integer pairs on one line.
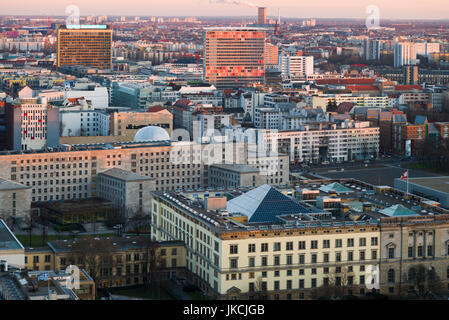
[[118, 227]]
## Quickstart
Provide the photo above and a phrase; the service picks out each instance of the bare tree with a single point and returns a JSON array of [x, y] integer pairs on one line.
[[424, 283], [336, 288]]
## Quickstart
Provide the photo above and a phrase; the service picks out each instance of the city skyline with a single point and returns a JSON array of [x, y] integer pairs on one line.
[[288, 9]]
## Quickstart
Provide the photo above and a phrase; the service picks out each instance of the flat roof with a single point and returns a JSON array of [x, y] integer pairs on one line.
[[124, 175], [436, 183], [241, 168]]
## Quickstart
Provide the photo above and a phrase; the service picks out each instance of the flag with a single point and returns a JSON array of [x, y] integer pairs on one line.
[[43, 277], [404, 175]]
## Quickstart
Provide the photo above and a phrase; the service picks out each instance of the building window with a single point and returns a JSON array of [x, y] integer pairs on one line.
[[420, 251], [350, 242], [430, 250], [314, 244], [391, 276], [410, 252], [302, 245], [391, 253], [233, 249], [264, 247], [289, 246], [326, 244], [362, 242], [338, 243], [251, 248]]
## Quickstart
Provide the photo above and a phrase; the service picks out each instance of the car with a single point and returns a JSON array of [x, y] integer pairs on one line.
[[325, 162]]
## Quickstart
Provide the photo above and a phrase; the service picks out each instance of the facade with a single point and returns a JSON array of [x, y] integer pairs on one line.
[[89, 46], [121, 262], [84, 123], [252, 246], [411, 75], [240, 261], [234, 57], [262, 15], [271, 56], [295, 66], [228, 176], [15, 198], [32, 124], [357, 142], [372, 49], [127, 124], [404, 54], [70, 172], [125, 189], [406, 244]]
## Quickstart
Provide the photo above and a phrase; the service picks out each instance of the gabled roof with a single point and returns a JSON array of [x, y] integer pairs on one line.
[[264, 204], [398, 211], [335, 187], [421, 120]]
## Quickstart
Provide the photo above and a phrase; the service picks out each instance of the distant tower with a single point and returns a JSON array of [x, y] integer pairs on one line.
[[262, 16]]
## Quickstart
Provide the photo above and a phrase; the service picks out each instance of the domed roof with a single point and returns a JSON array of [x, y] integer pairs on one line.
[[151, 133]]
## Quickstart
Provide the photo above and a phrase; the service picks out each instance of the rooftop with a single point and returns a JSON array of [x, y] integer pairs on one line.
[[241, 168], [8, 240], [436, 183], [124, 175], [10, 185]]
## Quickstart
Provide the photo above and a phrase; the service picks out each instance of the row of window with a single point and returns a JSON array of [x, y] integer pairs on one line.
[[326, 244]]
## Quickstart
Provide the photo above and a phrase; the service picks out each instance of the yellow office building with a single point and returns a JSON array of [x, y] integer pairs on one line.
[[85, 45]]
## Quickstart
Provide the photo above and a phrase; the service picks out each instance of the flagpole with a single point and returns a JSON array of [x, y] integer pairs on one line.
[[407, 182]]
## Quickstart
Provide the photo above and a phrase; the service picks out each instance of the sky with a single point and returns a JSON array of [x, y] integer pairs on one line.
[[389, 9]]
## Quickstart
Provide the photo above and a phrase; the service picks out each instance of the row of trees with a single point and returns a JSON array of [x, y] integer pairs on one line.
[[420, 283], [97, 257]]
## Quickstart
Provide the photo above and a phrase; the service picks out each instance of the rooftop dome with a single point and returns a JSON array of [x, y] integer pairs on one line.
[[151, 133]]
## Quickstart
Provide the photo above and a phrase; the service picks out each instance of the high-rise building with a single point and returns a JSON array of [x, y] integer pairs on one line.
[[371, 49], [404, 54], [262, 18], [295, 66], [411, 75], [234, 57], [85, 45]]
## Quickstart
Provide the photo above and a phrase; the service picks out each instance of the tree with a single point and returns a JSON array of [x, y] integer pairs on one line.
[[424, 282], [138, 221], [94, 255], [336, 288], [332, 106]]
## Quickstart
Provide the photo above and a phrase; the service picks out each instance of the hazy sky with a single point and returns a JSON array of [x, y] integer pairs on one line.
[[403, 9]]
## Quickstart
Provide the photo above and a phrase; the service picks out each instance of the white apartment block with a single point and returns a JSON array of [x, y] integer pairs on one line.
[[322, 101], [295, 66], [352, 141], [405, 53], [84, 123]]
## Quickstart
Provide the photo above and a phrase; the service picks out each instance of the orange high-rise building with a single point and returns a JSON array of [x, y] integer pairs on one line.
[[85, 45], [234, 57]]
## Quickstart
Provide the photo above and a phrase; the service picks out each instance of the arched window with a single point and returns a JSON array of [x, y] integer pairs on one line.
[[391, 276], [448, 272], [411, 274]]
